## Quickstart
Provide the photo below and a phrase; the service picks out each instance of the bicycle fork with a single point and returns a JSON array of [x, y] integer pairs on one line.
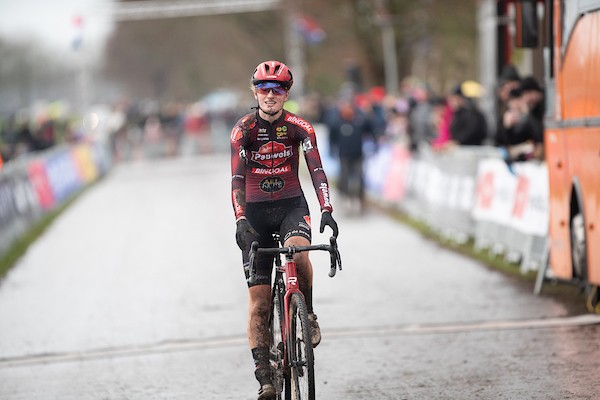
[[292, 287]]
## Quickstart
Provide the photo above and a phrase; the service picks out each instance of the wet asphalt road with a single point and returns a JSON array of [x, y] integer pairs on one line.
[[136, 292]]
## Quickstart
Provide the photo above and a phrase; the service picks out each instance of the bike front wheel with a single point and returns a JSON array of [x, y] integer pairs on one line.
[[281, 376], [300, 350]]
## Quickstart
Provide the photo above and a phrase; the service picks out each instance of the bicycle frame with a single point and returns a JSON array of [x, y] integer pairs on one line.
[[291, 286]]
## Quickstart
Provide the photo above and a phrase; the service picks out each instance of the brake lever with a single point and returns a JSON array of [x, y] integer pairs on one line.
[[336, 261], [251, 268]]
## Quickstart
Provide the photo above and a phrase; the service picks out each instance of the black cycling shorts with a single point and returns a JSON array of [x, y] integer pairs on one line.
[[288, 217]]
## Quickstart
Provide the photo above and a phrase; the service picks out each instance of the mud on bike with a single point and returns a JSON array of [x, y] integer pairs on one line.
[[291, 351]]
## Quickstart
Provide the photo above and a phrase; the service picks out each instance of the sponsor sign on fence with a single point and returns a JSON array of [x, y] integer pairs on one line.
[[30, 187], [468, 193]]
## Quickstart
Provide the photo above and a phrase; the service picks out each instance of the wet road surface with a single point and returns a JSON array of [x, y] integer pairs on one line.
[[136, 292]]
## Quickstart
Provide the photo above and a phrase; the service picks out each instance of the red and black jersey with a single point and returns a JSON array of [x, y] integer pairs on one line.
[[265, 160]]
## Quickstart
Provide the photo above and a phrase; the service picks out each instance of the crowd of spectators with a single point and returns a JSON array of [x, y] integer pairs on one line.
[[520, 130], [418, 117], [131, 130], [23, 134], [358, 121], [172, 129]]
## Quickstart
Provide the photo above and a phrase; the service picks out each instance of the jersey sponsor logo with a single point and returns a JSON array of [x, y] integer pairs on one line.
[[272, 171], [238, 207], [236, 134], [238, 210], [297, 232], [307, 219], [325, 192], [304, 226], [272, 184], [272, 154], [281, 132], [307, 145], [242, 154], [248, 122], [300, 122]]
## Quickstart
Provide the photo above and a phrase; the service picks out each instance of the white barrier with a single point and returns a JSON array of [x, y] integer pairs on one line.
[[468, 193], [40, 182], [512, 210]]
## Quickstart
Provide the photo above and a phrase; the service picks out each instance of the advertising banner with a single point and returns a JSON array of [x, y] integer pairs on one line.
[[495, 192], [85, 165], [375, 168], [394, 186], [530, 211], [41, 186], [8, 208], [62, 175]]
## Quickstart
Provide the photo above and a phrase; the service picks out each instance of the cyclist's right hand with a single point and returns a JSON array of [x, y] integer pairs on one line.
[[242, 230], [327, 220]]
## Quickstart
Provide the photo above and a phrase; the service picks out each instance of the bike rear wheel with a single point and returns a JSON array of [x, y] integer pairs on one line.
[[300, 351]]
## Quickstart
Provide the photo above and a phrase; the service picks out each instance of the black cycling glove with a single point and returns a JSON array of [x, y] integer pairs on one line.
[[243, 228], [327, 219]]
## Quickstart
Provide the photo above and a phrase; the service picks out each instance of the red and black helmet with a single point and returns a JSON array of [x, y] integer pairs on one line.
[[273, 71]]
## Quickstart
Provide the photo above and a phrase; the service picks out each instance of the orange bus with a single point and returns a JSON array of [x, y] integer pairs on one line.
[[572, 144], [569, 54], [564, 38]]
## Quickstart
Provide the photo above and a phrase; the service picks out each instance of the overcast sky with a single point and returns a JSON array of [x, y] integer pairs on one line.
[[51, 21]]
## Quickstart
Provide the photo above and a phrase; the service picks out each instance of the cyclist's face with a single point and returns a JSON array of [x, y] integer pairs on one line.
[[269, 100]]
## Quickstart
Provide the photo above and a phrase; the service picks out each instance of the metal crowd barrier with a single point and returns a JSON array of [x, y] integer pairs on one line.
[[466, 193]]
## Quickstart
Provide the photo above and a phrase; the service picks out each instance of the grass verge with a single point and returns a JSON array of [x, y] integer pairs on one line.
[[20, 245]]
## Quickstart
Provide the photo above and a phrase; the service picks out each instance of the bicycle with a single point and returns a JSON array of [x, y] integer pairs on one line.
[[291, 352]]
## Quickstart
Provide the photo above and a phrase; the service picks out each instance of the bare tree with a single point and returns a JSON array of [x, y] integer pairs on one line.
[[185, 58]]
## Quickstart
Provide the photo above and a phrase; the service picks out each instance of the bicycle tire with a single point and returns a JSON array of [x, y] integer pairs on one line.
[[300, 351], [280, 376]]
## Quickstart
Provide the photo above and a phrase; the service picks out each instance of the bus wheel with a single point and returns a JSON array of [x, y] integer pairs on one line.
[[593, 300], [579, 247]]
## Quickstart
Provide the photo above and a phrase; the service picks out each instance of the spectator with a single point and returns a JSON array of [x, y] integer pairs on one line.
[[422, 129], [46, 134], [468, 125], [396, 129], [442, 117], [352, 126], [376, 110], [25, 141], [509, 79], [523, 122]]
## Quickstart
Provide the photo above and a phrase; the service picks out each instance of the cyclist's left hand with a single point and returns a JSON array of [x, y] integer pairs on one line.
[[327, 219]]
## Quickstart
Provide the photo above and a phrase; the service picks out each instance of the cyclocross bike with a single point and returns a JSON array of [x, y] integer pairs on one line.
[[292, 358]]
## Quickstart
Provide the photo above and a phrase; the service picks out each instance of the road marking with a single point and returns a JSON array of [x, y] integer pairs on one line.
[[168, 346], [425, 329], [173, 346]]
